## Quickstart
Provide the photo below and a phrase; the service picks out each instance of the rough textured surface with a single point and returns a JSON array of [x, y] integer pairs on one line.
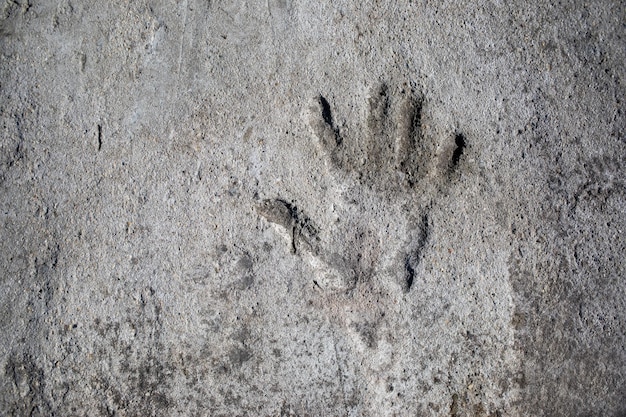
[[280, 208]]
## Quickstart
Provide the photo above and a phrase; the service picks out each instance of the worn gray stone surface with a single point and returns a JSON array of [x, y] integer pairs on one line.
[[325, 208]]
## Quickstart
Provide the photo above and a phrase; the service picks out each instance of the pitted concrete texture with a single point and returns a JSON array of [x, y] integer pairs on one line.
[[325, 208]]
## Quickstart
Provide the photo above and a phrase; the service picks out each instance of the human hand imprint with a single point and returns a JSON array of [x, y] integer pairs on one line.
[[391, 171]]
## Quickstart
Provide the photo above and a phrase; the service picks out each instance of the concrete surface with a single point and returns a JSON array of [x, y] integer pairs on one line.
[[281, 208]]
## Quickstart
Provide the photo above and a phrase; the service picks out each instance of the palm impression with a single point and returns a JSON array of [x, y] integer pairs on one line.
[[392, 160]]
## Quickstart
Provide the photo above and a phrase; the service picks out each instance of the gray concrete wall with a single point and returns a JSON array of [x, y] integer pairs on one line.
[[282, 208]]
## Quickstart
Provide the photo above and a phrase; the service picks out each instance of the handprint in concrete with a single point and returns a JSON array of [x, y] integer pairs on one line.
[[394, 169]]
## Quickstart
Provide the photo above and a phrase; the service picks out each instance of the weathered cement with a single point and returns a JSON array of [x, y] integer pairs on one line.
[[312, 208]]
